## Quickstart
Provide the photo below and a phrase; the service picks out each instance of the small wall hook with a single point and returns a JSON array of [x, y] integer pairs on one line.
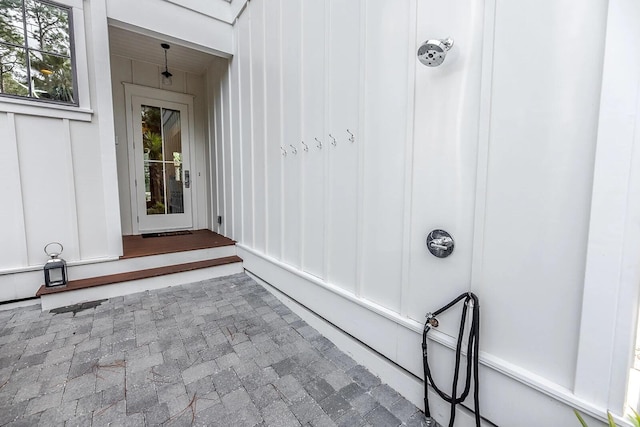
[[306, 147], [334, 142], [351, 137], [284, 152], [319, 143], [293, 149]]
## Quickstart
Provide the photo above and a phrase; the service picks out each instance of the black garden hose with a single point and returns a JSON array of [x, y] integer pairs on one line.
[[472, 357]]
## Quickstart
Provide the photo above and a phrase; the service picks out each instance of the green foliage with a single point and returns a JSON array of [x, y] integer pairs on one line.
[[635, 419], [582, 422], [157, 208], [153, 143]]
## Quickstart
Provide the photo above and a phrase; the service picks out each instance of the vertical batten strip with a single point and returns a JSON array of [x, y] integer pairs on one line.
[[20, 247], [265, 148], [222, 193], [408, 171], [73, 209], [232, 137], [484, 134], [238, 190], [327, 151], [211, 130], [252, 138], [361, 144], [214, 174], [218, 133], [302, 134], [282, 140], [244, 54], [228, 164]]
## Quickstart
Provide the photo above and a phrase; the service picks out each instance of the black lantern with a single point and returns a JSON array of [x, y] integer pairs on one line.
[[55, 270]]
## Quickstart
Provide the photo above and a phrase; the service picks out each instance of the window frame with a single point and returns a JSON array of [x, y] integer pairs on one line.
[[72, 57]]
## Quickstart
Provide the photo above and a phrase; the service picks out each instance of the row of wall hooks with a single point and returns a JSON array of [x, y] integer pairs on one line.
[[305, 147]]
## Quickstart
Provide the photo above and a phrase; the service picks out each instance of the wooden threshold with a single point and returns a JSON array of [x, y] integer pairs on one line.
[[138, 246], [136, 275]]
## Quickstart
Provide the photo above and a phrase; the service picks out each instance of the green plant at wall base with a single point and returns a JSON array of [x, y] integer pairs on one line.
[[635, 419]]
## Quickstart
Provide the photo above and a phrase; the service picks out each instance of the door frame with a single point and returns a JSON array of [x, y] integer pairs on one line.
[[131, 90]]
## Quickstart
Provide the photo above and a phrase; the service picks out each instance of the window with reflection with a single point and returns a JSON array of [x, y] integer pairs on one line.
[[36, 51]]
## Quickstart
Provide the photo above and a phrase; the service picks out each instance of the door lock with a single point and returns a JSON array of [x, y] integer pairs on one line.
[[440, 243], [187, 179]]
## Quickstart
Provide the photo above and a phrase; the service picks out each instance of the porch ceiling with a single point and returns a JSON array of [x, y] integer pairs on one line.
[[144, 48]]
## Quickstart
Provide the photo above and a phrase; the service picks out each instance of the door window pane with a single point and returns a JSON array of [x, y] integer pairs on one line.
[[154, 188], [171, 133], [174, 190], [151, 133]]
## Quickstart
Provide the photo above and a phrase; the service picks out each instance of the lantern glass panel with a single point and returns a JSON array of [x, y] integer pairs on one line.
[[55, 275]]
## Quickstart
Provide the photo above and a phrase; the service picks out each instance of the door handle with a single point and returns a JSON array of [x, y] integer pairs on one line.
[[187, 179]]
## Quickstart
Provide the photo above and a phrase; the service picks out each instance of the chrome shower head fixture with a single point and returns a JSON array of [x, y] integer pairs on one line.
[[432, 52]]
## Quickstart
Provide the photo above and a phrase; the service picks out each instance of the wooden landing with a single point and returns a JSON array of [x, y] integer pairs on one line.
[[138, 246], [136, 275]]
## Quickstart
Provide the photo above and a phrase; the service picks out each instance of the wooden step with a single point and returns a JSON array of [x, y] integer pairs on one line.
[[92, 282], [138, 246]]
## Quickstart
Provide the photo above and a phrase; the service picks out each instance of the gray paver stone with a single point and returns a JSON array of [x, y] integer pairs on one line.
[[157, 415], [385, 395], [236, 400], [319, 389], [403, 409], [198, 371], [380, 417], [364, 378], [80, 387], [351, 419], [290, 388], [140, 397], [41, 403], [278, 414], [335, 406], [226, 348], [263, 396], [226, 381]]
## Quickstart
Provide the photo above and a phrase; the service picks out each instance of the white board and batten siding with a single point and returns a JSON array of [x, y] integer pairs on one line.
[[57, 170], [63, 169], [496, 146]]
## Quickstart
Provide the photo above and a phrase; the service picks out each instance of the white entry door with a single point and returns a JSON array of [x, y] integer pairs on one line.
[[161, 145]]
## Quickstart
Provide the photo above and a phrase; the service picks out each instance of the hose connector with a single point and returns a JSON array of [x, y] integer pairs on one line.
[[432, 321]]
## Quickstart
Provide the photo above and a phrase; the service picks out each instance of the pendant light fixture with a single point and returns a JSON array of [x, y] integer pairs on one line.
[[166, 75]]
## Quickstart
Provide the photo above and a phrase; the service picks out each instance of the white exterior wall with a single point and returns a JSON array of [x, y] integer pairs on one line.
[[496, 146], [58, 172]]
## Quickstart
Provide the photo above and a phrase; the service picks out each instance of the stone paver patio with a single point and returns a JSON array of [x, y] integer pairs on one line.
[[223, 352]]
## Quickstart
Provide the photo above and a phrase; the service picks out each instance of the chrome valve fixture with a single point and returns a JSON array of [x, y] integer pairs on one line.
[[432, 52], [440, 243]]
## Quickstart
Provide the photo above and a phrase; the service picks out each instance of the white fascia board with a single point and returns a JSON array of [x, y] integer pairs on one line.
[[223, 10], [173, 23]]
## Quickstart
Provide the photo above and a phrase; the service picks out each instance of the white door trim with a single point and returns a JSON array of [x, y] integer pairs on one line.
[[131, 90]]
